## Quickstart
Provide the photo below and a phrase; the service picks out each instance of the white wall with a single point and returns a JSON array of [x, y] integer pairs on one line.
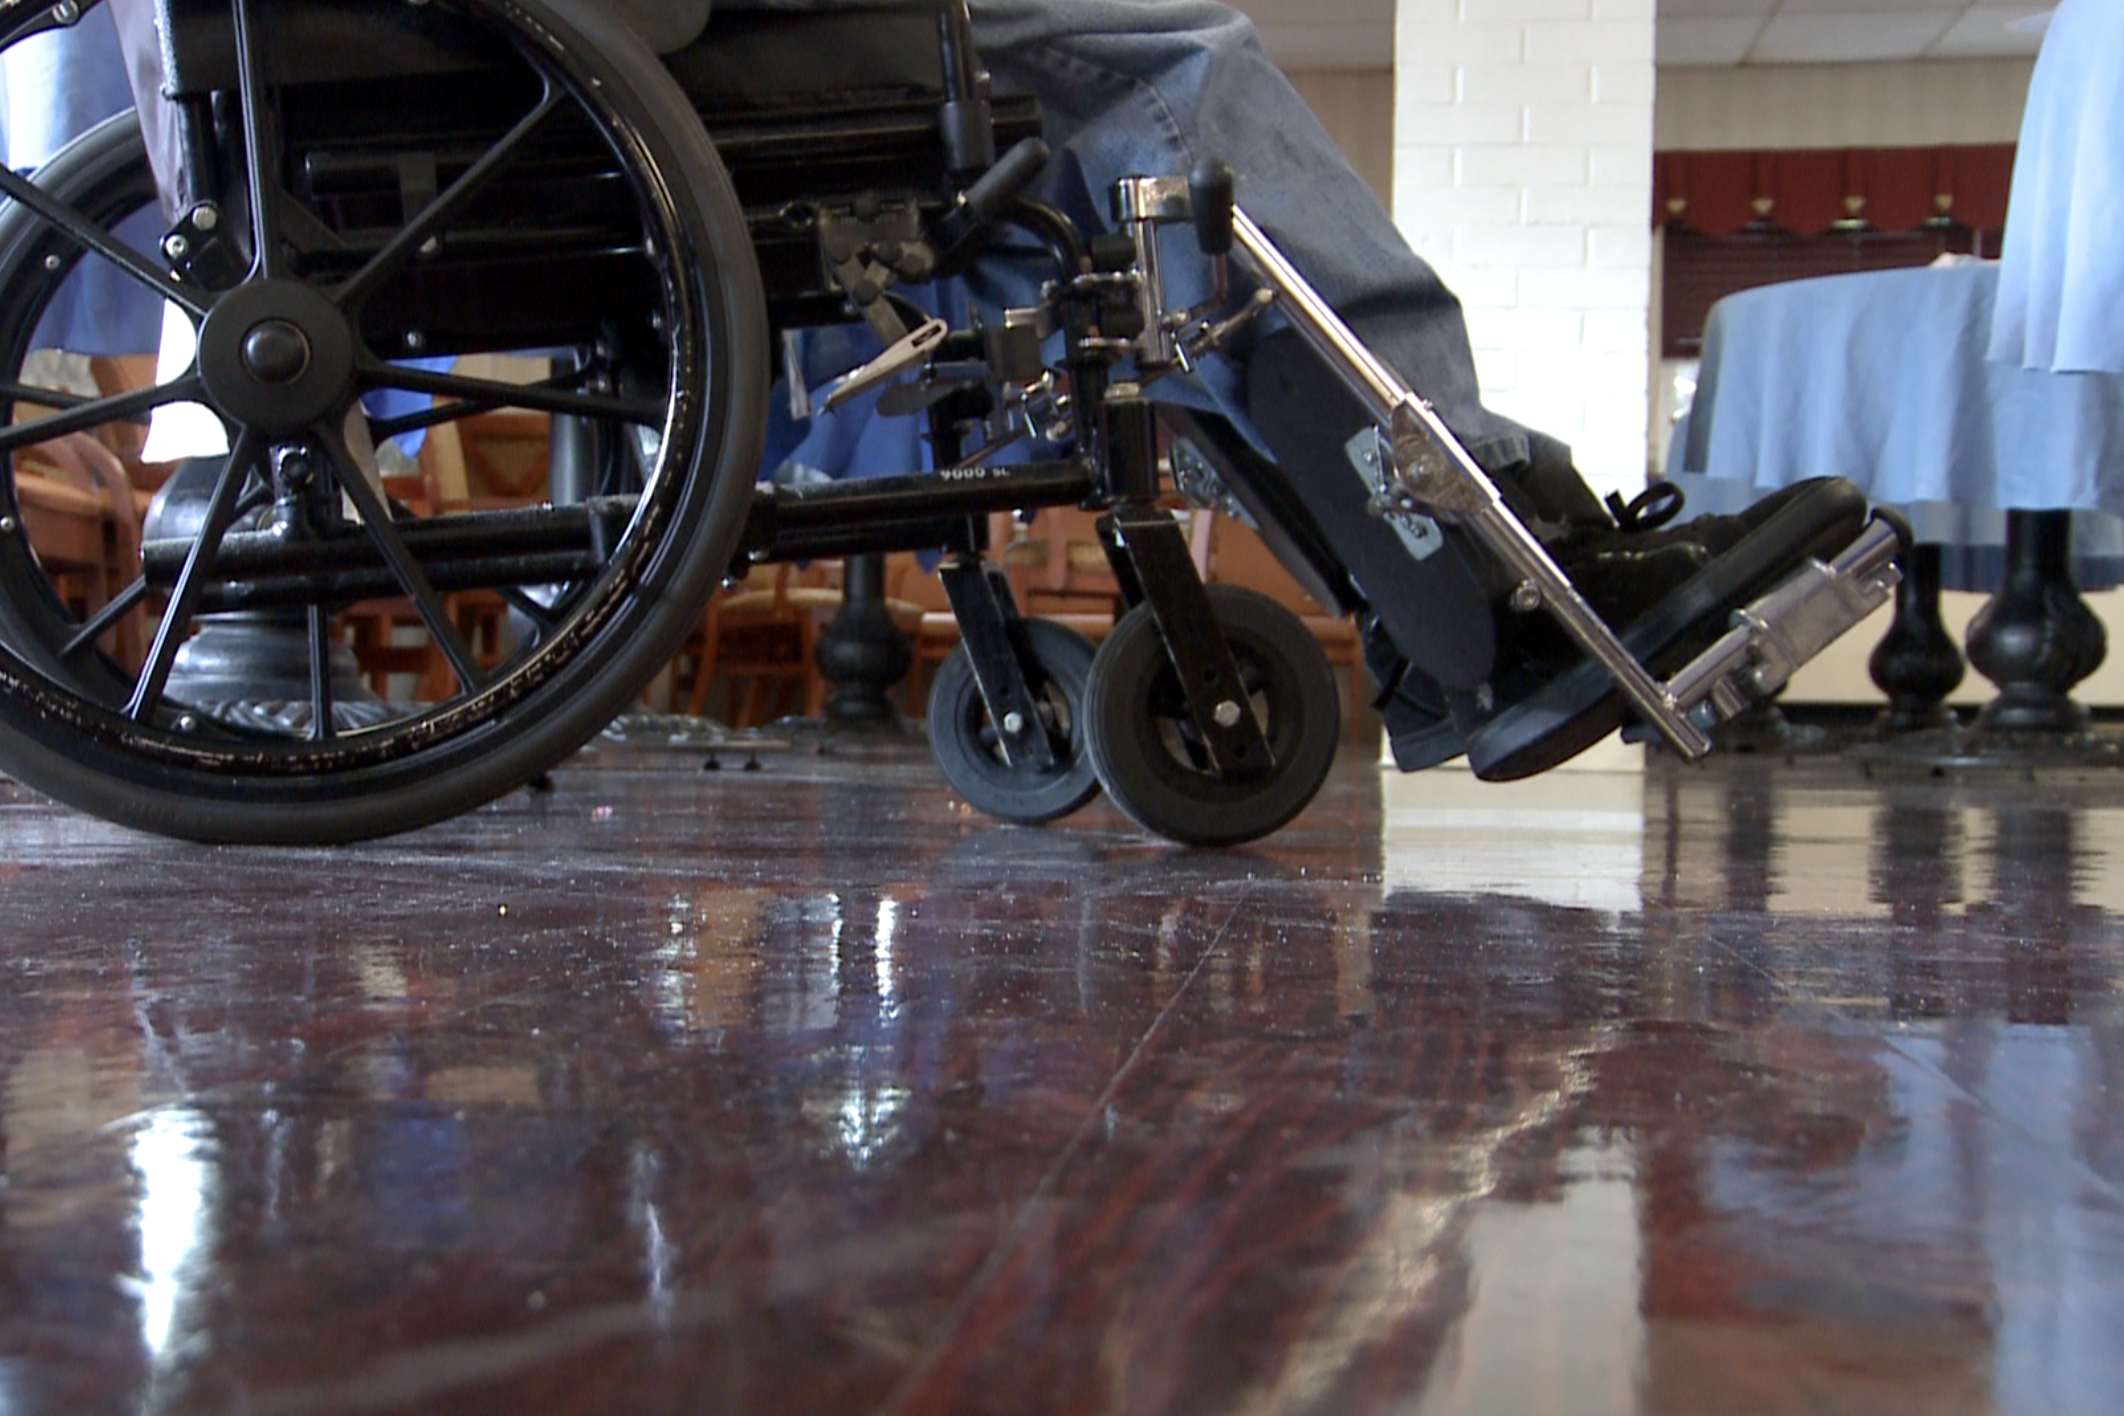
[[1920, 104], [1523, 171]]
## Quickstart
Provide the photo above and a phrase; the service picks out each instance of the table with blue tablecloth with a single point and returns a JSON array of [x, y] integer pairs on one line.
[[1884, 378]]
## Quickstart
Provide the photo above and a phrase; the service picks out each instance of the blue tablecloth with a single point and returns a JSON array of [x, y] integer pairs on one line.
[[1883, 378]]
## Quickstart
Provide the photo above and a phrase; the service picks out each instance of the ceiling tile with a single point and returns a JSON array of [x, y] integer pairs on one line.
[[1679, 42], [1982, 34], [1828, 39]]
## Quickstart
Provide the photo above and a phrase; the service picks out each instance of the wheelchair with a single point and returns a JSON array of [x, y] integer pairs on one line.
[[355, 190]]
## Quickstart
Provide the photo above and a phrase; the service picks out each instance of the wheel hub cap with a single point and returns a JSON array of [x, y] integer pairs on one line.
[[276, 355], [276, 352]]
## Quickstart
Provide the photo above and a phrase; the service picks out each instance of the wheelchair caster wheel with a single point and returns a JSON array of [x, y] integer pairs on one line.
[[1143, 749], [965, 743]]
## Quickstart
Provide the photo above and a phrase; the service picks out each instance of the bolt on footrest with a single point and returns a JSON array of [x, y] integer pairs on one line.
[[1773, 636]]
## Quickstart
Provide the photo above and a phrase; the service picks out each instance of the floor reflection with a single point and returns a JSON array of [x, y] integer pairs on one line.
[[1742, 1090]]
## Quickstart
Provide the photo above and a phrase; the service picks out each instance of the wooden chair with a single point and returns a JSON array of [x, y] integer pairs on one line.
[[389, 638], [1058, 568], [936, 632], [507, 455], [82, 515], [759, 636], [125, 373]]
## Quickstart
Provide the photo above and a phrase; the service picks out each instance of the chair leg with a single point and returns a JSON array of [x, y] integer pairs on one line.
[[744, 700], [697, 691]]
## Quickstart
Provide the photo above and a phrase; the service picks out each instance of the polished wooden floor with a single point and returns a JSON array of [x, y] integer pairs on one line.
[[804, 1090]]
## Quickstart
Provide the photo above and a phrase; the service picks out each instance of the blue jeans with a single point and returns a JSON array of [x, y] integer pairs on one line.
[[1150, 88]]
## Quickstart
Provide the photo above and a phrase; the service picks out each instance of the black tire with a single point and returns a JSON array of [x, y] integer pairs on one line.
[[1137, 734], [963, 737], [682, 400]]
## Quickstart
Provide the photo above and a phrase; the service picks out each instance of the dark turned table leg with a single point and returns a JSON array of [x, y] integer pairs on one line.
[[2036, 638], [1916, 663], [251, 668], [861, 652]]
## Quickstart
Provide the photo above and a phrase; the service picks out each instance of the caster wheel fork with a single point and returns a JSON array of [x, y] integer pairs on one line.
[[968, 746]]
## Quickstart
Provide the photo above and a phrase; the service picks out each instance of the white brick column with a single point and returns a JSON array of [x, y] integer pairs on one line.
[[1523, 172]]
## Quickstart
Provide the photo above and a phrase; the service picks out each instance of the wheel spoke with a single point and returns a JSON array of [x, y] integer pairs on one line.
[[97, 412], [96, 625], [383, 428], [191, 581], [15, 392], [261, 153], [93, 236], [376, 522], [494, 393], [406, 243]]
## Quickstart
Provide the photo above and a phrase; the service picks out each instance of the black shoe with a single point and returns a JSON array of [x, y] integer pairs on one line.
[[1669, 590]]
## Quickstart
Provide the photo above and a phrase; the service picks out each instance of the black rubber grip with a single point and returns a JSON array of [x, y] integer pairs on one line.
[[1210, 187], [1012, 174]]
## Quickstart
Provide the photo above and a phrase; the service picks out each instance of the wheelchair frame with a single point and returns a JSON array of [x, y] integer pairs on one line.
[[1209, 716]]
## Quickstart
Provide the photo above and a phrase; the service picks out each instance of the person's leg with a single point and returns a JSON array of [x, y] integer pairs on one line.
[[1150, 87], [58, 85]]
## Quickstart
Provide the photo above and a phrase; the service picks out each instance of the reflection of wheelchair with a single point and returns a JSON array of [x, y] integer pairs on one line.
[[365, 185]]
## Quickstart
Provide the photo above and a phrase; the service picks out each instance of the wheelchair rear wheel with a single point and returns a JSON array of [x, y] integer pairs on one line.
[[560, 199]]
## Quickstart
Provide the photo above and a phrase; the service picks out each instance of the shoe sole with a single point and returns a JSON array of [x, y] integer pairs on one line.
[[1580, 706], [1422, 748]]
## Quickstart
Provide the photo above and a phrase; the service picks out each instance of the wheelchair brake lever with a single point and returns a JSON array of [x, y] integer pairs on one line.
[[899, 356]]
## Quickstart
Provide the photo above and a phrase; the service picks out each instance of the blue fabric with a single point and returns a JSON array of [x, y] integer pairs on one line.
[[2061, 294], [1882, 378], [59, 85]]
